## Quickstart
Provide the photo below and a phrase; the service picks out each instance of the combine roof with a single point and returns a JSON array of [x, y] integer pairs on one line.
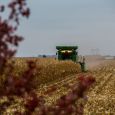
[[66, 47]]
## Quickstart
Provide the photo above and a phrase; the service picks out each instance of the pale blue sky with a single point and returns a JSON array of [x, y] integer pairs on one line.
[[89, 24]]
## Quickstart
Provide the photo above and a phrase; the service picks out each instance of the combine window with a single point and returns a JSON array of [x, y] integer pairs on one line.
[[66, 55]]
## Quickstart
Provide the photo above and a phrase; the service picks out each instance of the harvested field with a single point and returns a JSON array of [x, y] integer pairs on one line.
[[101, 98]]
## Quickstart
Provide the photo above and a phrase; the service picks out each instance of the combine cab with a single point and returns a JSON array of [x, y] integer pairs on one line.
[[67, 53]]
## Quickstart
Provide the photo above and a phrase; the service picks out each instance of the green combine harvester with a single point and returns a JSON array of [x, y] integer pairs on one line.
[[70, 53]]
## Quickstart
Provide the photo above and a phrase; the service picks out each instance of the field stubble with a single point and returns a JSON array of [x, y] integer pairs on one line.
[[101, 98]]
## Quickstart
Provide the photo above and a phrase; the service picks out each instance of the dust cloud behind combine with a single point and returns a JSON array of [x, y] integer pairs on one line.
[[95, 61]]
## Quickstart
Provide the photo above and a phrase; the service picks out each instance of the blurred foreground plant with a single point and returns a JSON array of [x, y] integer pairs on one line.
[[8, 27], [9, 40]]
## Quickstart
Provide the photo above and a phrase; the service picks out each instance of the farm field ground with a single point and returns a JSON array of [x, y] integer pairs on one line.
[[101, 97]]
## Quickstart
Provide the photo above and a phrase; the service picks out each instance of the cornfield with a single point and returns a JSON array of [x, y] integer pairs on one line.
[[56, 78], [48, 69]]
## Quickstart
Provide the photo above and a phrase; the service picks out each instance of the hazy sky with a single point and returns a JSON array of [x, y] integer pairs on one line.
[[90, 24]]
